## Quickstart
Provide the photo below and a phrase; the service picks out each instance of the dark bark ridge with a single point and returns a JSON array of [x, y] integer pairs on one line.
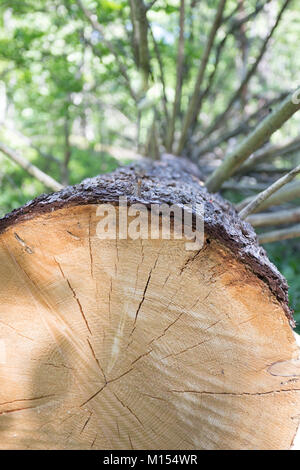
[[171, 181]]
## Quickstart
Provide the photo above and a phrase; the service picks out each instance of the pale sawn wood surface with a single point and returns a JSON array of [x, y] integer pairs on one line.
[[119, 344]]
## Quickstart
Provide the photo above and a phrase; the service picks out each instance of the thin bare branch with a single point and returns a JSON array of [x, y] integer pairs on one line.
[[140, 33], [148, 6], [283, 217], [179, 79], [277, 235], [152, 144], [231, 29], [254, 141], [192, 106], [30, 168], [232, 13], [221, 117], [234, 25], [67, 151], [271, 151], [269, 169], [162, 74], [241, 187], [255, 204], [30, 143], [288, 193], [97, 26], [242, 127]]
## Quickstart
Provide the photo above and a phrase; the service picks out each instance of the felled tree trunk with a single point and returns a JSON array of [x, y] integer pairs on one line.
[[122, 343]]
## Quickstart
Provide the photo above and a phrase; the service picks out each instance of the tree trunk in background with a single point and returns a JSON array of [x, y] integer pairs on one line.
[[119, 344]]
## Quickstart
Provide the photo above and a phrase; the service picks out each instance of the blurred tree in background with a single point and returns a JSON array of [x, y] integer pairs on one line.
[[86, 85]]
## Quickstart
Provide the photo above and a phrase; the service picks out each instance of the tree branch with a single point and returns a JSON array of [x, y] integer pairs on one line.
[[140, 32], [179, 79], [97, 26], [162, 74], [288, 193], [192, 106], [233, 26], [67, 152], [150, 5], [283, 234], [254, 205], [253, 142], [220, 118], [274, 218], [242, 127], [29, 142], [31, 169], [270, 151]]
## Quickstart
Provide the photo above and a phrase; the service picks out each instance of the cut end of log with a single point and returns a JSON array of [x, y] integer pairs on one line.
[[171, 181], [119, 344]]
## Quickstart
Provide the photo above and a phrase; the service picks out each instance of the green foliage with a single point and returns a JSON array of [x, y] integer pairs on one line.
[[88, 163], [286, 256], [61, 87], [18, 187]]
